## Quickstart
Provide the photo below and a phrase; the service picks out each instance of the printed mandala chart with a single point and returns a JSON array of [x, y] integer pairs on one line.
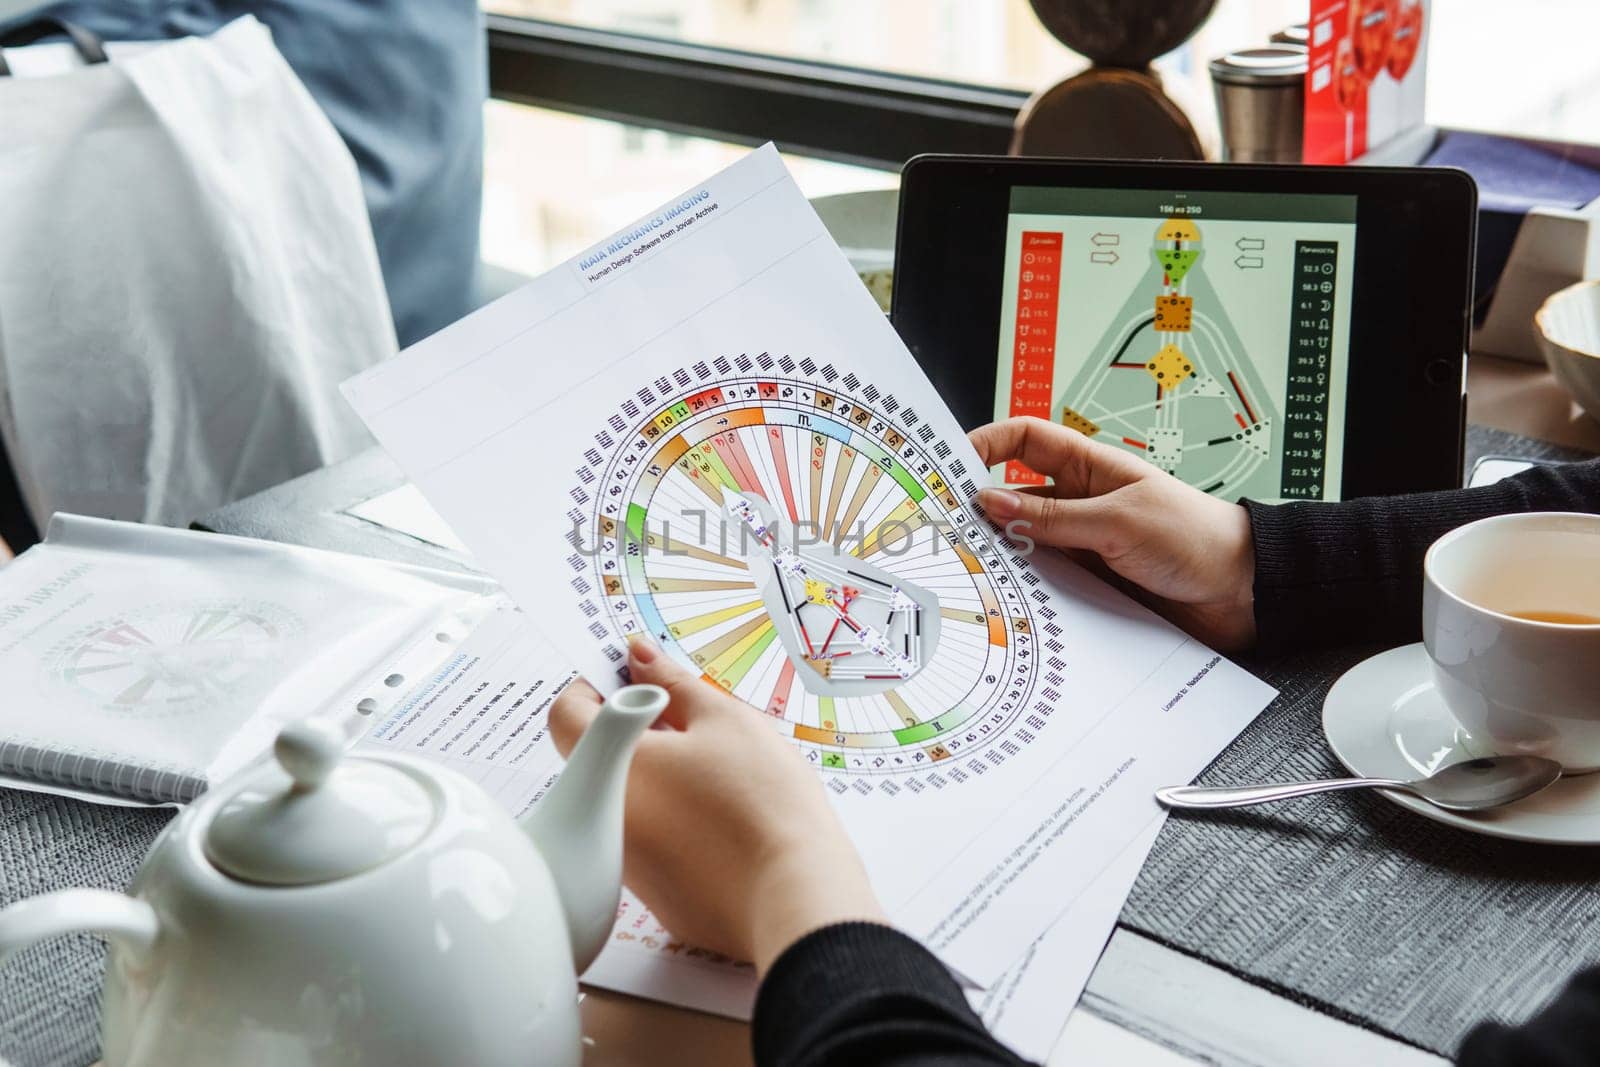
[[703, 430], [794, 535]]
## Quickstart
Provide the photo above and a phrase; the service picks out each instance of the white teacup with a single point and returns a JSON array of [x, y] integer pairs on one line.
[[1518, 684]]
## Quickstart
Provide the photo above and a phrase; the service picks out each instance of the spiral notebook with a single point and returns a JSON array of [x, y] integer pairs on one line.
[[140, 664]]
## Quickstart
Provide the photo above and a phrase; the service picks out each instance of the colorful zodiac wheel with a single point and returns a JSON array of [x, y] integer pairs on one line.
[[801, 541]]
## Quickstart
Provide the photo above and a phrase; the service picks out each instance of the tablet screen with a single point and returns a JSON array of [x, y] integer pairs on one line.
[[1206, 332]]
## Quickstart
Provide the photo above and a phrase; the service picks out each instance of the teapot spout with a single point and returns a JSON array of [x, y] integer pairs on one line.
[[578, 825]]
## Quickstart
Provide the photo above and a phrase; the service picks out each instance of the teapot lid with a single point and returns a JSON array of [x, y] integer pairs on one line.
[[326, 820]]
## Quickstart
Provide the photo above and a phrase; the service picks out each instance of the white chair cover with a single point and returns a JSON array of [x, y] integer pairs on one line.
[[186, 273]]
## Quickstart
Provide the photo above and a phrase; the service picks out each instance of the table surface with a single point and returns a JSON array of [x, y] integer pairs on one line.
[[1523, 398], [1146, 1003]]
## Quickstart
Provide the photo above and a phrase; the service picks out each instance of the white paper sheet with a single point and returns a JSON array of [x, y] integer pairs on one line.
[[1028, 1008], [405, 509], [996, 744]]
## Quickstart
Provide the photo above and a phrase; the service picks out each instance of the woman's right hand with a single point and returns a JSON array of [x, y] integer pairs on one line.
[[730, 839], [1190, 555]]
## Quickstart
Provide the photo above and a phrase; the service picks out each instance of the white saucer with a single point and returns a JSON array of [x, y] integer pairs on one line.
[[1384, 719]]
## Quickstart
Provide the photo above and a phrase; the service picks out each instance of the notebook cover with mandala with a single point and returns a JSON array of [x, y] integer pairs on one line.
[[141, 664]]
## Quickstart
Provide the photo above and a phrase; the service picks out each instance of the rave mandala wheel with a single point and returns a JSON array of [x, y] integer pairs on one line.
[[799, 539], [170, 659]]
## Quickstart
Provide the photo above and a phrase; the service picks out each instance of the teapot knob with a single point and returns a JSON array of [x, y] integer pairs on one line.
[[309, 750], [338, 817]]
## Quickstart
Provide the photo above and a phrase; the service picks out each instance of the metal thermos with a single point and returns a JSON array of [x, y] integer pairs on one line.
[[1261, 95]]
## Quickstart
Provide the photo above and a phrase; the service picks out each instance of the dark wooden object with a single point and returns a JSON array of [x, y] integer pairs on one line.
[[1106, 113], [1115, 109]]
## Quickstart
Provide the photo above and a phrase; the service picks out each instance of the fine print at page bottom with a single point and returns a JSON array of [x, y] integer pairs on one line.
[[1030, 1004], [484, 714], [746, 465]]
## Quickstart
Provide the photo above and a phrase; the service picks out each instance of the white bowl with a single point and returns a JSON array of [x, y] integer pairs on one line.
[[862, 224], [1568, 327]]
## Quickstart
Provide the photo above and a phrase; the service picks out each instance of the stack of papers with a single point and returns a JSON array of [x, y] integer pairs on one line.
[[704, 430]]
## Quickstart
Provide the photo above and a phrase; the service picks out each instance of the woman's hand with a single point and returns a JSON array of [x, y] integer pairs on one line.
[[729, 837], [1190, 554]]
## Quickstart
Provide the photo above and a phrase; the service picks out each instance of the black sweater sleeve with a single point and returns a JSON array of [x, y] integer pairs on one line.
[[1566, 1034], [1332, 573], [860, 993]]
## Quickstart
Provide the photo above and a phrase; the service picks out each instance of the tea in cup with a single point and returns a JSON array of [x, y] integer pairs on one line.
[[1511, 622]]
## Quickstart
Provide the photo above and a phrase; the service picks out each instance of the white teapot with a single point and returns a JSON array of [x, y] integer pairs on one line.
[[371, 909]]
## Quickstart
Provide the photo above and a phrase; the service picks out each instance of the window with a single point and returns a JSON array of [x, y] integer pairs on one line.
[[1527, 67], [555, 183], [995, 42]]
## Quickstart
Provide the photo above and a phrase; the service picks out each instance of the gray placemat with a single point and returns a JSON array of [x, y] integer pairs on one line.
[[50, 993], [1354, 905]]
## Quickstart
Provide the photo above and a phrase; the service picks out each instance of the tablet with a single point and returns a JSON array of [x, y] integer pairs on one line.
[[1268, 332]]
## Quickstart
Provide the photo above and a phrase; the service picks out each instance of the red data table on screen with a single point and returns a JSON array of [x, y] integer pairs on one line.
[[1033, 353]]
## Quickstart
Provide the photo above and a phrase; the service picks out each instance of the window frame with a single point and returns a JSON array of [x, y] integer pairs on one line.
[[846, 114]]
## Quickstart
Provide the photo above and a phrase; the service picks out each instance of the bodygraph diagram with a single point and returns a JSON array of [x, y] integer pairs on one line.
[[1171, 380]]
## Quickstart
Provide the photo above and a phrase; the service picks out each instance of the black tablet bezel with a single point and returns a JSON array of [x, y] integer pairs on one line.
[[1416, 230]]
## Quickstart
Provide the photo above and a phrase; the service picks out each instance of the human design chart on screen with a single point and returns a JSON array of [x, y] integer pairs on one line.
[[1206, 333]]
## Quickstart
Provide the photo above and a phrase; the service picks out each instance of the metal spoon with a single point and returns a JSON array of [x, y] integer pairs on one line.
[[1472, 785]]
